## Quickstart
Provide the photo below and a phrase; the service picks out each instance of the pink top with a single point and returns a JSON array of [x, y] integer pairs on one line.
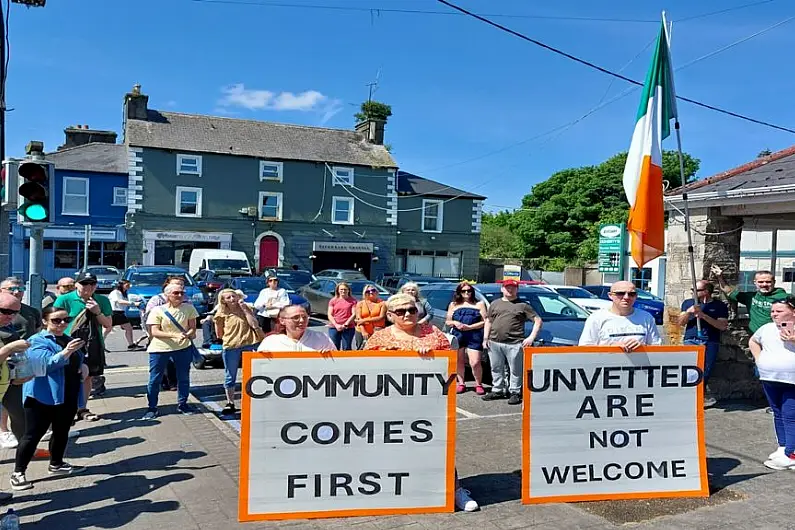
[[342, 309]]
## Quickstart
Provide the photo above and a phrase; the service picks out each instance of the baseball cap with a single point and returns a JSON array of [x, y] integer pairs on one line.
[[85, 277], [510, 282]]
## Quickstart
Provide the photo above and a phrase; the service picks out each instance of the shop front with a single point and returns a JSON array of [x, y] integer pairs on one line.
[[173, 247], [342, 255]]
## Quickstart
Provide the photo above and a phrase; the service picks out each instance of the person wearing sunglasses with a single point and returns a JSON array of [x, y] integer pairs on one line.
[[773, 348], [51, 399], [91, 315], [406, 333], [466, 317], [621, 324], [370, 315]]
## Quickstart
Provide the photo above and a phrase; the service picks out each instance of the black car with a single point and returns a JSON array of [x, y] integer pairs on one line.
[[210, 282], [297, 278]]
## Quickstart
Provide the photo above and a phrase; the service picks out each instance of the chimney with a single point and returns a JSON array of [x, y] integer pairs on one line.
[[78, 135], [372, 130], [135, 104]]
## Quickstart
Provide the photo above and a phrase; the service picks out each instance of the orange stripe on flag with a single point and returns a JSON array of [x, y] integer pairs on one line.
[[646, 218]]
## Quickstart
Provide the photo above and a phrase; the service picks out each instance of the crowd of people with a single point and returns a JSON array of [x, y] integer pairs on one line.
[[64, 346]]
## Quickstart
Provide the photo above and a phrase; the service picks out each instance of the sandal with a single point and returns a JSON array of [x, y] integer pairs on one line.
[[87, 415], [479, 390], [460, 389]]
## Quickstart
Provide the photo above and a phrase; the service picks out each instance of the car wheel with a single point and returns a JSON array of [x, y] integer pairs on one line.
[[200, 365]]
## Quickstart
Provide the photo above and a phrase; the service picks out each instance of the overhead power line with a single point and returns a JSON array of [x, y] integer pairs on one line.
[[594, 66]]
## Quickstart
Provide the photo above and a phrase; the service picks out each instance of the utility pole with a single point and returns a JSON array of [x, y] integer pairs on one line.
[[86, 243]]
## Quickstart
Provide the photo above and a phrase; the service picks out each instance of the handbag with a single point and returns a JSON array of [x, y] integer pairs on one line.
[[196, 356]]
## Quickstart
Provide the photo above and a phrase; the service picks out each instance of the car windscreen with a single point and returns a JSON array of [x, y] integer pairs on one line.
[[295, 277], [574, 292], [549, 305], [156, 278], [104, 271], [227, 265], [351, 275], [358, 287]]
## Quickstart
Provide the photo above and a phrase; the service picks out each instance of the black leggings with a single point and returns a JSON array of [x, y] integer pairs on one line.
[[12, 402], [38, 418]]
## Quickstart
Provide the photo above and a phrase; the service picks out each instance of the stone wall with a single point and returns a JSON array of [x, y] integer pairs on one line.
[[716, 240]]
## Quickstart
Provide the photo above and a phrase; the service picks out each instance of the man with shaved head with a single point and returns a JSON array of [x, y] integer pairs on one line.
[[620, 325]]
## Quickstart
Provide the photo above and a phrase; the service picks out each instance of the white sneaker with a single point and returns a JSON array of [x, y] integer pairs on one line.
[[780, 461], [8, 440], [464, 502], [779, 451]]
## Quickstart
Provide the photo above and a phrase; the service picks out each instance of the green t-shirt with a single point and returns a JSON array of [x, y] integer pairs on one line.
[[758, 305], [74, 305]]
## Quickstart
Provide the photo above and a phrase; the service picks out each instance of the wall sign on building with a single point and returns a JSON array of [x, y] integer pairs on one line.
[[353, 433], [599, 424], [342, 246], [611, 248]]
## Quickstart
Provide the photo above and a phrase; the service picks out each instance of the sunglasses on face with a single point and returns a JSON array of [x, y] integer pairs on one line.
[[59, 321], [466, 291], [6, 311], [622, 294], [403, 310], [370, 291], [15, 289]]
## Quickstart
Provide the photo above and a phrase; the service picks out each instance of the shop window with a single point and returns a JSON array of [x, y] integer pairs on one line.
[[789, 275], [95, 253], [640, 277], [113, 254], [66, 254], [440, 263]]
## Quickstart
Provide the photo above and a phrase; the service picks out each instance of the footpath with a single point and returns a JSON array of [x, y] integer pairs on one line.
[[180, 472]]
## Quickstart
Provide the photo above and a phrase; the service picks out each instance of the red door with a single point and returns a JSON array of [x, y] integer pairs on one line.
[[268, 252]]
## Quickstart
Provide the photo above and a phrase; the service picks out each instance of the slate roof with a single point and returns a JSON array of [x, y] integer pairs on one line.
[[95, 157], [775, 169], [410, 184], [260, 139]]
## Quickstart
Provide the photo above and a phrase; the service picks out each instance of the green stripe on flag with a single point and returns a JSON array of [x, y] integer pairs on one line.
[[659, 74]]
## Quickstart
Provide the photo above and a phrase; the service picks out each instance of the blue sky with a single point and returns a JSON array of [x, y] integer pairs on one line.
[[458, 88]]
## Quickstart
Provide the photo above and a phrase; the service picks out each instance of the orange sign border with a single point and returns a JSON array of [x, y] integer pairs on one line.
[[702, 449], [245, 434]]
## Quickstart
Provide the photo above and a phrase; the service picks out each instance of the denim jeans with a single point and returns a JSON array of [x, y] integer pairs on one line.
[[232, 358], [781, 397], [157, 366], [711, 349], [343, 340]]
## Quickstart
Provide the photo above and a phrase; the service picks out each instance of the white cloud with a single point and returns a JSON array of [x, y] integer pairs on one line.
[[238, 95]]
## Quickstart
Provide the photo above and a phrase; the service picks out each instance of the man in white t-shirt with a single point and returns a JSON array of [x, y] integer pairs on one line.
[[622, 324], [296, 336]]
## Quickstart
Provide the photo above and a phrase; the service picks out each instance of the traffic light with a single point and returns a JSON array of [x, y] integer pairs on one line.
[[35, 203]]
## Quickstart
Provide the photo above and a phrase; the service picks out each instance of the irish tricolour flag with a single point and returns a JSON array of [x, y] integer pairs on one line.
[[643, 182]]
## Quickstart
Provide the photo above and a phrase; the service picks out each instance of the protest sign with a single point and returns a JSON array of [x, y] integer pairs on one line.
[[601, 424], [347, 433]]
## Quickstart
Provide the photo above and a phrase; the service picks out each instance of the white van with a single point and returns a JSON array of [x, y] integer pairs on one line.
[[218, 260]]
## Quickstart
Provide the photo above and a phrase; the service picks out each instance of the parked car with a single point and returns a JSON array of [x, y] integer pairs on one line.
[[645, 300], [147, 281], [319, 292], [216, 259], [563, 319], [394, 283], [340, 274], [107, 276], [580, 296], [252, 285], [297, 278], [210, 281]]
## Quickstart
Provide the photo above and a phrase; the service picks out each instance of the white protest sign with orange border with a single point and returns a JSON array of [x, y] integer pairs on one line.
[[347, 433], [601, 424]]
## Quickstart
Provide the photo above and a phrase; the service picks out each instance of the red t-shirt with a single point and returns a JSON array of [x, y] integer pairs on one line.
[[342, 309]]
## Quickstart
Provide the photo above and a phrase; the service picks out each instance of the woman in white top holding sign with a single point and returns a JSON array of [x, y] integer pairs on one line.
[[773, 348], [296, 337]]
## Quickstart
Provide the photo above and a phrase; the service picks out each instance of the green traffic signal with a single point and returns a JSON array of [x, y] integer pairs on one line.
[[34, 192], [34, 212]]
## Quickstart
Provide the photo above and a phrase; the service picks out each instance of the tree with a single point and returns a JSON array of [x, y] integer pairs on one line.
[[373, 110], [559, 220], [496, 238]]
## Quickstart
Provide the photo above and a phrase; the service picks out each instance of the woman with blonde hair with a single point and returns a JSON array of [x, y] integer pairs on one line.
[[424, 308], [237, 327], [370, 314], [407, 333], [341, 316]]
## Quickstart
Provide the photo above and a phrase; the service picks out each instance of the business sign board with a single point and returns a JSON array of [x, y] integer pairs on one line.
[[347, 433], [600, 424], [511, 272], [611, 248]]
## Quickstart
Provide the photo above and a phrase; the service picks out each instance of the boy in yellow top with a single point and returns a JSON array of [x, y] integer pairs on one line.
[[173, 328]]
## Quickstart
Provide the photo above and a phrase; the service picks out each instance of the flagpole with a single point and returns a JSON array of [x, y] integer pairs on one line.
[[688, 230]]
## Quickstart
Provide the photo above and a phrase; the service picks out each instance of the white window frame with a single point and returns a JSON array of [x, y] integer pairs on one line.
[[278, 196], [182, 157], [337, 181], [334, 202], [178, 201], [116, 190], [439, 217], [279, 171], [64, 194]]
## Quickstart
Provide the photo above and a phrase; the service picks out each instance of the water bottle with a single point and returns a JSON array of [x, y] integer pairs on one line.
[[10, 521], [22, 368]]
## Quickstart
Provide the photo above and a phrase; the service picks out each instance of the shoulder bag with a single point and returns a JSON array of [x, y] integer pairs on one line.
[[196, 356]]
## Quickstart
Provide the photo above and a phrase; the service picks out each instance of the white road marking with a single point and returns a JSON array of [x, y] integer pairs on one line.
[[467, 414], [489, 416], [127, 369]]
